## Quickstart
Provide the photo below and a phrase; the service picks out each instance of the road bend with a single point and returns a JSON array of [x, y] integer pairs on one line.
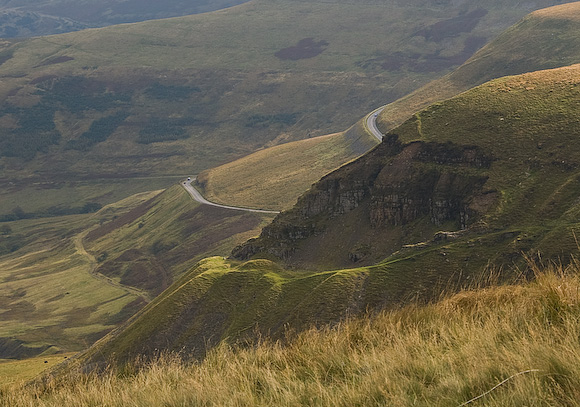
[[371, 121], [196, 195]]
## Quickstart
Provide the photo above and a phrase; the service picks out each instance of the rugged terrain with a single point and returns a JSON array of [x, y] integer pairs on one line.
[[469, 182], [177, 96], [434, 207], [499, 158]]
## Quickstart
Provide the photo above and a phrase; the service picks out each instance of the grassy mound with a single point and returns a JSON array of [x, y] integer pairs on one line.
[[511, 345]]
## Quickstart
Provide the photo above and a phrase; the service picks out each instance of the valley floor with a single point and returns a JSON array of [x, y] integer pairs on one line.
[[510, 345]]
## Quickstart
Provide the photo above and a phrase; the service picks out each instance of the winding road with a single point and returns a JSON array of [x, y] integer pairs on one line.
[[371, 123], [196, 195]]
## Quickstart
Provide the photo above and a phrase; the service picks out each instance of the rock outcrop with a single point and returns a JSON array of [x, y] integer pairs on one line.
[[394, 185]]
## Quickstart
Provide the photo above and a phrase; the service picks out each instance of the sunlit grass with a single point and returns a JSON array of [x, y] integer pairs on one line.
[[443, 354]]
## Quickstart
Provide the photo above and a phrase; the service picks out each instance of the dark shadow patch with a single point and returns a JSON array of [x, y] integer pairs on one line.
[[42, 78], [306, 48], [452, 27], [5, 56], [123, 220], [14, 92], [16, 349], [143, 272], [17, 310], [55, 60], [206, 228], [56, 298]]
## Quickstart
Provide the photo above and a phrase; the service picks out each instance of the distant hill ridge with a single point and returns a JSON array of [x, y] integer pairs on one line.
[[547, 38]]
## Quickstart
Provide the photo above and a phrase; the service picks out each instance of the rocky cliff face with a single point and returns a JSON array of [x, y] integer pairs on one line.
[[392, 186]]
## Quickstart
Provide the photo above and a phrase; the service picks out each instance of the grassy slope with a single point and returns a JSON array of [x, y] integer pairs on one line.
[[57, 296], [51, 301], [165, 237], [237, 302], [273, 178], [443, 354], [528, 124], [544, 39], [20, 371], [215, 79]]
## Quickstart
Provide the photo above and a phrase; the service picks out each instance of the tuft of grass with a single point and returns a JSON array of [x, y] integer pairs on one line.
[[496, 346]]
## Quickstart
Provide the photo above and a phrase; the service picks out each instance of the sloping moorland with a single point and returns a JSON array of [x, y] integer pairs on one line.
[[440, 205], [510, 345], [177, 96], [465, 165], [544, 39], [23, 18], [495, 168], [139, 253], [67, 281]]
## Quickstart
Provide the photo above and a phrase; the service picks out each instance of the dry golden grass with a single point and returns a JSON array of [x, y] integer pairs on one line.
[[512, 345], [570, 11], [275, 177]]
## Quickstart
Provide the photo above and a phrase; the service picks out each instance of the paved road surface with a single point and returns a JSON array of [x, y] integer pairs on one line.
[[372, 123], [196, 195]]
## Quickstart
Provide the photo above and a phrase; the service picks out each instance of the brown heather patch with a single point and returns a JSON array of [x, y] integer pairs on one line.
[[122, 220], [306, 48]]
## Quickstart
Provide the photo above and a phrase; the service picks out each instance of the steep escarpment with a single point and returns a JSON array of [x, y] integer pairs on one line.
[[501, 156], [385, 192]]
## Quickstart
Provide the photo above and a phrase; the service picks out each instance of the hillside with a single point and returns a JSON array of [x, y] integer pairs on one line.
[[51, 299], [177, 96], [443, 354], [164, 237], [66, 281], [494, 168], [275, 177], [544, 39]]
